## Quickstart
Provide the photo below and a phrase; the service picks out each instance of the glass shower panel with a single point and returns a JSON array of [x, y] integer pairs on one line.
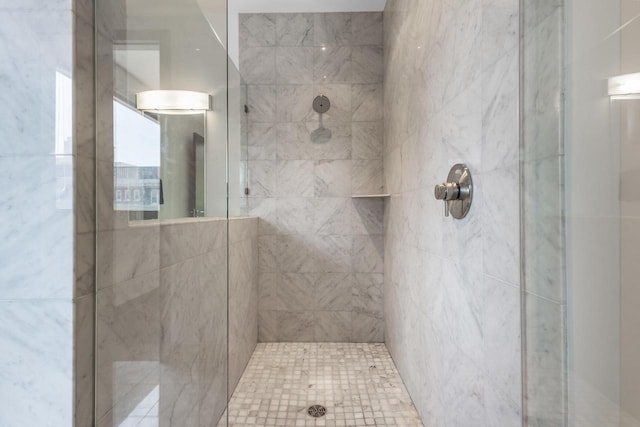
[[581, 227], [542, 213], [602, 163], [161, 330]]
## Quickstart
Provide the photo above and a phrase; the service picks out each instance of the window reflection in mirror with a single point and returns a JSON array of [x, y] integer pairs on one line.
[[159, 159]]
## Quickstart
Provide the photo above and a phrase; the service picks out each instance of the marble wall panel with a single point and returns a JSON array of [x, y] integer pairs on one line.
[[314, 240], [243, 295], [450, 94], [163, 329]]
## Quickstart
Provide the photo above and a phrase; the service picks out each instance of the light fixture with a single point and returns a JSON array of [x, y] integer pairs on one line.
[[173, 101], [626, 86]]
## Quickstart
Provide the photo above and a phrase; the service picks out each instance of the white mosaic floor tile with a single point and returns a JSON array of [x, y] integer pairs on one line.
[[357, 383]]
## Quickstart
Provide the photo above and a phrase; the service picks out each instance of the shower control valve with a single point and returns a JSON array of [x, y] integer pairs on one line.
[[457, 192]]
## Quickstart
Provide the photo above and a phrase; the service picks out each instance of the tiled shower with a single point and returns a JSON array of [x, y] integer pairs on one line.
[[313, 265], [320, 251]]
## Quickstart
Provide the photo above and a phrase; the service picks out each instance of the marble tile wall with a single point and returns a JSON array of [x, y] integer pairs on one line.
[[38, 153], [320, 252], [162, 291], [451, 288], [162, 321], [243, 295]]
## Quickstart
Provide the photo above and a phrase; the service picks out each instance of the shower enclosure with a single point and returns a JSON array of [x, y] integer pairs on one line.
[[162, 204], [580, 212]]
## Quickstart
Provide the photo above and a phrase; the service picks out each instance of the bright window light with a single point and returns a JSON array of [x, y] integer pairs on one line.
[[626, 86]]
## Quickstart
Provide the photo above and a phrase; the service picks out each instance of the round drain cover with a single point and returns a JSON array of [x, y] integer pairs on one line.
[[317, 411]]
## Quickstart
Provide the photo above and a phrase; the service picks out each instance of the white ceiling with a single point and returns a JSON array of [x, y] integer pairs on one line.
[[300, 6]]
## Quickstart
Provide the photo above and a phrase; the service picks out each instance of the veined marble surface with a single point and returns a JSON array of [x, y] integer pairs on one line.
[[451, 288], [320, 252]]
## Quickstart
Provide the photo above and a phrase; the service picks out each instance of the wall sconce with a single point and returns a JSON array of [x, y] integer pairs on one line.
[[626, 86], [173, 101]]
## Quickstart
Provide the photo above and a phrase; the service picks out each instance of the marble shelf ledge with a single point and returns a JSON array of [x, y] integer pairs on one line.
[[369, 196]]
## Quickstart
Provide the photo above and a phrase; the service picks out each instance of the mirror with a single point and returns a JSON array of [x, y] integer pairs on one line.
[[159, 155]]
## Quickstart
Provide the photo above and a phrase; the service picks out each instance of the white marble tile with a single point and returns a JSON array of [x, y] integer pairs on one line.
[[500, 410], [332, 65], [294, 65], [266, 211], [501, 227], [367, 216], [294, 103], [331, 216], [294, 29], [545, 352], [333, 254], [38, 247], [261, 141], [262, 178], [304, 373], [368, 64], [367, 142], [295, 326], [258, 65], [268, 326], [499, 29], [368, 254], [41, 45], [257, 30], [333, 292], [296, 291], [367, 293], [295, 215], [297, 254], [268, 252], [332, 326], [366, 177], [295, 178], [366, 327], [332, 29], [332, 178], [500, 131], [445, 102], [502, 337], [267, 290], [367, 102], [366, 28], [262, 103], [542, 87], [37, 389]]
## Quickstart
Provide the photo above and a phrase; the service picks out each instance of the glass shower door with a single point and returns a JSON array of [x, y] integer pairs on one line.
[[161, 299], [581, 207]]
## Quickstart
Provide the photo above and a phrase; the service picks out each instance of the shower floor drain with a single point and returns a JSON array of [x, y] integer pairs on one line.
[[317, 411]]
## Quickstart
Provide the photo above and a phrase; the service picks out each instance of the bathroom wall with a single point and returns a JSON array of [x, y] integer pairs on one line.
[[320, 252], [451, 288], [162, 285], [162, 316], [45, 150], [243, 295]]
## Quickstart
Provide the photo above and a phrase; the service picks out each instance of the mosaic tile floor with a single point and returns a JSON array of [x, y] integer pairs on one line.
[[357, 383]]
